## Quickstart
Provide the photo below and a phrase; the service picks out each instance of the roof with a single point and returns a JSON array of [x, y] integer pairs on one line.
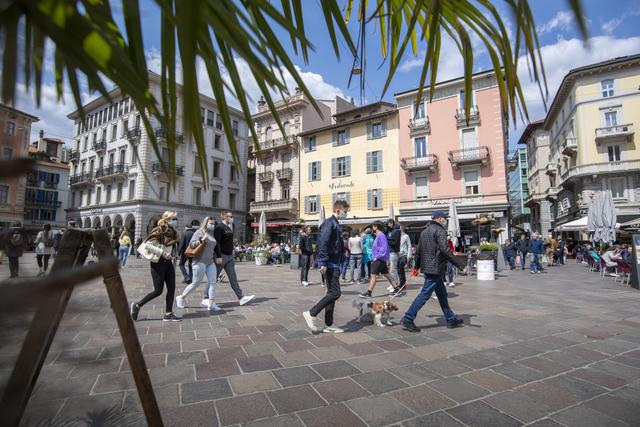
[[532, 126], [569, 80], [340, 125], [365, 107], [20, 112], [485, 73]]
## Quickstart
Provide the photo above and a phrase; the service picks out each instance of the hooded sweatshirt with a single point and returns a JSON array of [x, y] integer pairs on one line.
[[380, 248]]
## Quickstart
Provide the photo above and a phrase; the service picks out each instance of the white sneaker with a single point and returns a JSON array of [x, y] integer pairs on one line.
[[332, 330], [311, 321], [205, 303], [389, 288], [214, 307], [451, 285], [305, 283], [434, 296], [245, 299], [180, 301]]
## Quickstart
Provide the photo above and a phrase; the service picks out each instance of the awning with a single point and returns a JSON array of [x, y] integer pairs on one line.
[[634, 224], [274, 224], [577, 225]]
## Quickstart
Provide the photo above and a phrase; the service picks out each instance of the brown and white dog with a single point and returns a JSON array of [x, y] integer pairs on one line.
[[380, 311]]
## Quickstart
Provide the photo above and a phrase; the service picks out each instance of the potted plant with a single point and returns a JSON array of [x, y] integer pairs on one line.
[[260, 254], [489, 251]]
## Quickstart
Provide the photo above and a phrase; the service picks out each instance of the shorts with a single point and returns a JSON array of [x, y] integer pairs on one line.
[[379, 267]]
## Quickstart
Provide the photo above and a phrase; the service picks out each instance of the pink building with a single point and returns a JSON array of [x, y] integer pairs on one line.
[[446, 156]]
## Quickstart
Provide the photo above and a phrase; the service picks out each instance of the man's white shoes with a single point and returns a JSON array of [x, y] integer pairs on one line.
[[332, 330], [245, 299], [180, 301], [205, 303], [311, 321], [214, 307]]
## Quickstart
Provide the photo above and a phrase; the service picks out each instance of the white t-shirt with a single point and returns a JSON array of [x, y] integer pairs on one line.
[[355, 245], [41, 248]]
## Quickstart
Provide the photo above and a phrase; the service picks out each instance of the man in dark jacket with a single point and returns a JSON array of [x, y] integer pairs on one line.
[[536, 247], [523, 247], [330, 255], [432, 256], [305, 255], [393, 239], [510, 253], [184, 244], [15, 243]]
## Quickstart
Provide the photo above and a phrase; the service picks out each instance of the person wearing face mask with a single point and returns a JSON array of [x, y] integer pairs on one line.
[[223, 234], [380, 263], [431, 256], [162, 272], [203, 264]]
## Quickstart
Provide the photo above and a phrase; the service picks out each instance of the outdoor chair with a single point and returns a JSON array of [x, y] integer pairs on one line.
[[624, 272]]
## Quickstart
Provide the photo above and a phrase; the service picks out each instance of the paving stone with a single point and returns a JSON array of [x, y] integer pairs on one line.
[[242, 409], [437, 419], [336, 369], [458, 389], [330, 416], [628, 361], [41, 412], [491, 380], [375, 362], [258, 363], [447, 367], [234, 341], [263, 349], [187, 358], [390, 345], [617, 369], [480, 414], [289, 420], [582, 416], [217, 354], [547, 367], [114, 382], [191, 415], [93, 368], [200, 344], [326, 354], [483, 359], [521, 349], [363, 348], [297, 358], [379, 382], [552, 397], [415, 374], [296, 376], [87, 405], [216, 369], [583, 390], [151, 360], [172, 347], [379, 410], [295, 399], [255, 381], [620, 409], [518, 405], [201, 391], [77, 356], [296, 345], [518, 372], [57, 389], [422, 399], [340, 390], [546, 422], [598, 377]]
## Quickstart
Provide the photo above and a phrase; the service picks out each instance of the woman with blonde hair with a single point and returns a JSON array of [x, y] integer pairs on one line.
[[203, 263], [124, 248], [161, 239]]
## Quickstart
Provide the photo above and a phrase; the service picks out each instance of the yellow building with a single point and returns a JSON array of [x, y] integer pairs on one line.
[[593, 146], [355, 159]]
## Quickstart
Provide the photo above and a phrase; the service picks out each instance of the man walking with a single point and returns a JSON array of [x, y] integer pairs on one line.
[[223, 233], [393, 238], [536, 248], [355, 258], [330, 254], [305, 255], [184, 244], [432, 255], [523, 248], [380, 263], [404, 256]]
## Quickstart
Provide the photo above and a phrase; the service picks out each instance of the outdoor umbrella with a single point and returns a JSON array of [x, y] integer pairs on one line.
[[322, 217], [392, 214], [609, 218], [262, 225], [454, 224], [592, 216]]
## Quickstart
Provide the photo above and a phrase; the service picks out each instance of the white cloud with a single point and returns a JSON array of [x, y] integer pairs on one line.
[[562, 21], [450, 66], [610, 26]]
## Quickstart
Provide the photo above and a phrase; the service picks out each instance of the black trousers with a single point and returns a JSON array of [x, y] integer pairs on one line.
[[305, 265], [328, 302], [14, 265], [162, 272], [402, 274], [187, 276], [45, 264]]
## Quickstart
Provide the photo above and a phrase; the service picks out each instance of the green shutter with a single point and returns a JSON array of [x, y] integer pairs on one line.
[[334, 138], [384, 127], [334, 167], [368, 130], [310, 171], [369, 199], [346, 135], [369, 162]]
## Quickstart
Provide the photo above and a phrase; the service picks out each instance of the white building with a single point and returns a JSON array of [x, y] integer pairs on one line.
[[118, 179]]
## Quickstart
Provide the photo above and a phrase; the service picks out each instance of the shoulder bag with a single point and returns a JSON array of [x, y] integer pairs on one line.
[[194, 252]]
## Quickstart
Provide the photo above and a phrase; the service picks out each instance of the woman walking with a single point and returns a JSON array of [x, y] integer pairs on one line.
[[161, 240], [367, 248], [203, 263], [44, 248], [125, 247], [305, 255], [15, 243]]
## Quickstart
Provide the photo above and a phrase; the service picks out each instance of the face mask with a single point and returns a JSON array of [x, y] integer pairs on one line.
[[444, 224], [230, 220], [342, 215], [211, 227], [173, 223]]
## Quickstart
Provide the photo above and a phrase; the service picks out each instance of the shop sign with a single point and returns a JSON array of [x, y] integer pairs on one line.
[[340, 185], [94, 211]]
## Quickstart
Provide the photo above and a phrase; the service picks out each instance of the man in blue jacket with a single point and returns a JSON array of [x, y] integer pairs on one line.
[[537, 250], [330, 255]]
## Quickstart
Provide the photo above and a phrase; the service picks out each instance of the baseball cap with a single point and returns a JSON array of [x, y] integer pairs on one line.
[[439, 214]]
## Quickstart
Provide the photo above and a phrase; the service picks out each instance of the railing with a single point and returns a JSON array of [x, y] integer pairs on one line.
[[444, 202], [33, 182], [470, 155], [274, 205], [80, 178], [569, 146], [100, 145], [284, 173], [134, 133], [296, 97], [552, 168], [462, 119], [43, 203], [428, 162], [161, 133], [552, 193], [265, 176], [111, 170], [163, 167], [420, 124], [276, 142], [613, 131], [73, 156], [48, 184]]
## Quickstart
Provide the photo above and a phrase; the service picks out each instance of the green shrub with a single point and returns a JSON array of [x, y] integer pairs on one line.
[[488, 247]]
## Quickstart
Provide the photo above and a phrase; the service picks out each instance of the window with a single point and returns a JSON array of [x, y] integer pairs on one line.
[[119, 192], [73, 199], [202, 113], [311, 204], [7, 153], [197, 168], [232, 200], [218, 122], [216, 141], [374, 161], [469, 140], [462, 98], [419, 111], [114, 132], [607, 88], [340, 137], [210, 117], [374, 199], [266, 195], [286, 192], [471, 184], [616, 185], [614, 153], [233, 174], [164, 191], [377, 130], [346, 196], [132, 189], [108, 191], [611, 118], [137, 126], [341, 166], [215, 195], [421, 147], [197, 193], [110, 112], [287, 128], [10, 128], [125, 128], [123, 156], [314, 171], [268, 133], [421, 187], [4, 194], [86, 142], [216, 169], [310, 144]]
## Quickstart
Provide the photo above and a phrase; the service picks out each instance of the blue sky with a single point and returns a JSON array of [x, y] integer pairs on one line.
[[613, 31]]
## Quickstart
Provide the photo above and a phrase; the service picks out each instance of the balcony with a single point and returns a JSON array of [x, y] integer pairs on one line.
[[468, 156], [162, 168], [50, 204], [133, 134], [273, 144], [419, 126], [463, 120], [263, 106], [32, 182], [161, 134], [100, 146], [284, 174], [552, 168], [73, 156], [552, 194], [413, 164], [512, 161], [112, 172], [570, 146], [614, 132], [51, 185], [81, 179], [265, 177], [283, 205]]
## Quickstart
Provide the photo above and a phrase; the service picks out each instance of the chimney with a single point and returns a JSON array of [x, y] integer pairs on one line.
[[42, 145]]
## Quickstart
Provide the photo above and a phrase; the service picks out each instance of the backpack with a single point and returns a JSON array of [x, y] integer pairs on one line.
[[16, 239], [48, 240]]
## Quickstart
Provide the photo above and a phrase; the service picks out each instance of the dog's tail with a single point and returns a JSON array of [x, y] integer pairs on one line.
[[359, 303]]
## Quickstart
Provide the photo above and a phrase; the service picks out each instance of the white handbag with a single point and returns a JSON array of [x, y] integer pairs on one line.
[[150, 252]]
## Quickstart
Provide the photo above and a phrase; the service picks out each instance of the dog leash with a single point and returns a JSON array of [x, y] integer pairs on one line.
[[398, 293]]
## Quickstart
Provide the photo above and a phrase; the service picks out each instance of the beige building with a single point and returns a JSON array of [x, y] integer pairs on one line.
[[355, 159], [593, 146]]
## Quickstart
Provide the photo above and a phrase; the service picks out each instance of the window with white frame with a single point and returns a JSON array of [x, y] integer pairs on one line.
[[421, 187], [314, 171], [311, 204], [108, 194], [164, 191], [235, 127], [374, 198], [216, 141], [607, 88], [420, 147], [114, 132], [472, 182], [469, 140], [374, 161], [310, 144], [10, 128], [210, 117], [217, 166], [286, 192], [197, 168], [419, 112], [266, 194], [340, 167], [119, 192], [617, 187], [340, 137], [377, 130], [462, 98], [346, 196], [232, 200], [4, 194], [611, 118], [7, 153], [233, 173], [132, 189], [215, 196], [613, 153]]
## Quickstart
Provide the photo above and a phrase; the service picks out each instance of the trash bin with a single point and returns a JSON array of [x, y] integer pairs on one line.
[[295, 261], [486, 270]]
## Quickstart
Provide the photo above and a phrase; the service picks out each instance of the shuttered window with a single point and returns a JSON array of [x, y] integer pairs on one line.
[[311, 204], [374, 161], [377, 130], [341, 166], [314, 171], [346, 196], [374, 198], [340, 137]]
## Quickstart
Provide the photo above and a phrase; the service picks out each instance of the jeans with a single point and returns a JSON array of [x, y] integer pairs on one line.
[[328, 302], [523, 259], [123, 254], [186, 275], [305, 265], [432, 282], [343, 266], [162, 272], [535, 262], [199, 270], [402, 274], [229, 267], [450, 272], [355, 263], [512, 262], [43, 261], [393, 261], [14, 265]]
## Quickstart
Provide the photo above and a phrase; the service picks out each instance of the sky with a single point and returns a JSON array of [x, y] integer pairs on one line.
[[613, 31]]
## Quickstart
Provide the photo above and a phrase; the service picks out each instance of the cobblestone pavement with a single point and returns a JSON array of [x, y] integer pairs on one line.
[[561, 348]]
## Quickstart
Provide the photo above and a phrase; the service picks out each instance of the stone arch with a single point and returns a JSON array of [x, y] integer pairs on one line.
[[96, 222], [130, 224], [117, 221], [86, 223], [153, 222], [106, 223]]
